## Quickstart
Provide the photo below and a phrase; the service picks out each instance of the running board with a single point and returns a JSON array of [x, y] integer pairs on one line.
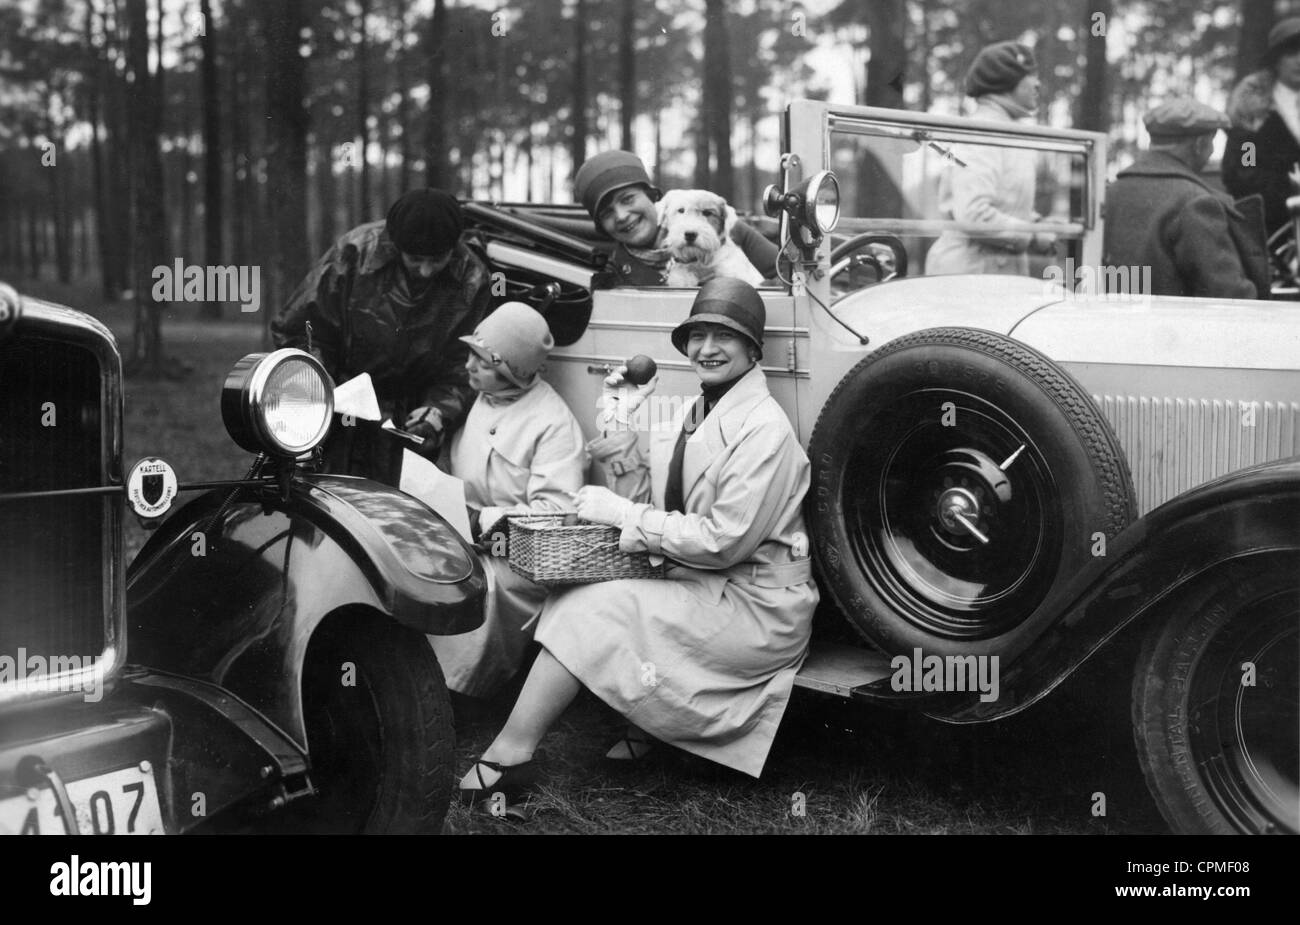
[[833, 668]]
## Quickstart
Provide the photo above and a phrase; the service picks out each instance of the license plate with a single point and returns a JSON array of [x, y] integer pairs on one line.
[[121, 802]]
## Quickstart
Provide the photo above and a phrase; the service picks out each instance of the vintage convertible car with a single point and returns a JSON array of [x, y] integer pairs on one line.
[[277, 676], [1031, 464]]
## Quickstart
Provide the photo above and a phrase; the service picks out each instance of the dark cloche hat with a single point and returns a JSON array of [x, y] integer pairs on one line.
[[606, 172], [732, 303], [1184, 118], [999, 67], [1285, 36], [425, 222]]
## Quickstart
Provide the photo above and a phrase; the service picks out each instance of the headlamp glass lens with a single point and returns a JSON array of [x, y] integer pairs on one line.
[[295, 406]]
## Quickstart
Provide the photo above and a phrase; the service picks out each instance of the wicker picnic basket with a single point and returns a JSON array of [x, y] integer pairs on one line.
[[547, 550]]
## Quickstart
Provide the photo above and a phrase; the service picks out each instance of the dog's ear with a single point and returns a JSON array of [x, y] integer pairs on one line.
[[664, 204], [729, 218]]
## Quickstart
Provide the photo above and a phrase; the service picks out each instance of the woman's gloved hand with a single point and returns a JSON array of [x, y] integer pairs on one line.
[[619, 400], [601, 506], [426, 422]]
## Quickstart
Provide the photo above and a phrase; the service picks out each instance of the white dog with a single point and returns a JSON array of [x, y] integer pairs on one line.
[[695, 227]]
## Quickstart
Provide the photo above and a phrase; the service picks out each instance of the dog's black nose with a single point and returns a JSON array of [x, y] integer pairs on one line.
[[690, 237]]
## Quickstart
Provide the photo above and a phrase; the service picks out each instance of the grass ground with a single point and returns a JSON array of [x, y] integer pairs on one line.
[[835, 768]]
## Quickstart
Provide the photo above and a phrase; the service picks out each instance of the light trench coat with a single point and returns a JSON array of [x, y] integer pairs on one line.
[[515, 458], [995, 187], [704, 661]]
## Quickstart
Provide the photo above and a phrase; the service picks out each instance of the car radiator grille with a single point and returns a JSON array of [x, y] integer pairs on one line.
[[55, 553], [1174, 444]]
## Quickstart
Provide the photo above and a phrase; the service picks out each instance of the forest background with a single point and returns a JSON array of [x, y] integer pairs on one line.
[[231, 132]]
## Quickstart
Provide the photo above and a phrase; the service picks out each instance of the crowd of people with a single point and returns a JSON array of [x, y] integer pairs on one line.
[[407, 300]]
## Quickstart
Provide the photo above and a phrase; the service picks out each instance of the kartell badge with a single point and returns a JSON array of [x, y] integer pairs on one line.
[[151, 487]]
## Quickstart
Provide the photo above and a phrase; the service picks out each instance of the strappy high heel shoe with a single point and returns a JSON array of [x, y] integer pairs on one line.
[[514, 781]]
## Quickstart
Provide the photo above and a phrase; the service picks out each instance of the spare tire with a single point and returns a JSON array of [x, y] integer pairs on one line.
[[960, 478]]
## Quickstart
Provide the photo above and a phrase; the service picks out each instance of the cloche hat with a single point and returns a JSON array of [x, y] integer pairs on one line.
[[732, 303], [515, 339]]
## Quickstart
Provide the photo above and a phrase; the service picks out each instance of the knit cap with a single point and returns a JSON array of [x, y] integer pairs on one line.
[[425, 222], [999, 67]]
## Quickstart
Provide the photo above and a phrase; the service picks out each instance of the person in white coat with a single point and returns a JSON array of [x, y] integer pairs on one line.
[[520, 451], [706, 659], [993, 186]]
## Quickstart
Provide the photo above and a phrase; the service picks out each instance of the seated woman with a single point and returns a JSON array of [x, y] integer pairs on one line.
[[520, 452], [704, 660]]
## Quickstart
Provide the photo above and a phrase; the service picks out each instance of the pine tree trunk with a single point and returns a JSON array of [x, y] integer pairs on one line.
[[144, 117], [286, 124], [212, 201], [578, 144], [437, 168], [1256, 20], [627, 74], [886, 70], [363, 113], [719, 95]]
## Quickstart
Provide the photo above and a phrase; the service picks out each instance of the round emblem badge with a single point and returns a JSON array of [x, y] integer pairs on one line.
[[151, 487]]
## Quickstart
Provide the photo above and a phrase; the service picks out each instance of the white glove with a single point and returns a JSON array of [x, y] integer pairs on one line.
[[601, 506], [619, 400]]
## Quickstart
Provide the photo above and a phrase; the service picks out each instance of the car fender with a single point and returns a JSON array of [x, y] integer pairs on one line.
[[1247, 515], [231, 588]]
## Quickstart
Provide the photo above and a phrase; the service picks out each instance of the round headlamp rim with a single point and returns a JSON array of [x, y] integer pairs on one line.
[[254, 391]]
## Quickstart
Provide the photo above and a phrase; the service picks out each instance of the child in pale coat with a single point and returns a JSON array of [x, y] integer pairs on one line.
[[520, 451]]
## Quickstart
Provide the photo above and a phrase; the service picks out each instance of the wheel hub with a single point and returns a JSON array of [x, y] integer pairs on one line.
[[958, 511]]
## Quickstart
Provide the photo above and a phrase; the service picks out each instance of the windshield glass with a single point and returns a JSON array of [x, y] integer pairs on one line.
[[958, 201]]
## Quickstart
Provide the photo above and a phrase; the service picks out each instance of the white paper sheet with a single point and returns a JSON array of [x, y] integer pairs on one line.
[[442, 492], [357, 398]]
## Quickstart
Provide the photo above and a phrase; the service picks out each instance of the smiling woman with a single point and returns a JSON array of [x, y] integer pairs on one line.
[[705, 660]]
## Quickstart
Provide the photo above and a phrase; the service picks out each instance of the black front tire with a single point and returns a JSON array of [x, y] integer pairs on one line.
[[1221, 755], [380, 737]]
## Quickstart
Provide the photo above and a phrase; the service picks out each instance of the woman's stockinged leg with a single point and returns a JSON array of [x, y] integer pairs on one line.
[[548, 690]]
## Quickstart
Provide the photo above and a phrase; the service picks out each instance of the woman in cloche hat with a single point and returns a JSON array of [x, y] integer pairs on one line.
[[704, 660], [519, 452]]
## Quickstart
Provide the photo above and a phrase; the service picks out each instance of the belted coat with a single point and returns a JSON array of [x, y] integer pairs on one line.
[[516, 457], [706, 659]]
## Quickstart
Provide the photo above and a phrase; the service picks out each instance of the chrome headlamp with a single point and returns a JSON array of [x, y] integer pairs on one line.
[[278, 403], [814, 208]]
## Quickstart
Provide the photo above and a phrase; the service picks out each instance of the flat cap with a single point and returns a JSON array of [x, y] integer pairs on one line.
[[1282, 36], [1184, 118]]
